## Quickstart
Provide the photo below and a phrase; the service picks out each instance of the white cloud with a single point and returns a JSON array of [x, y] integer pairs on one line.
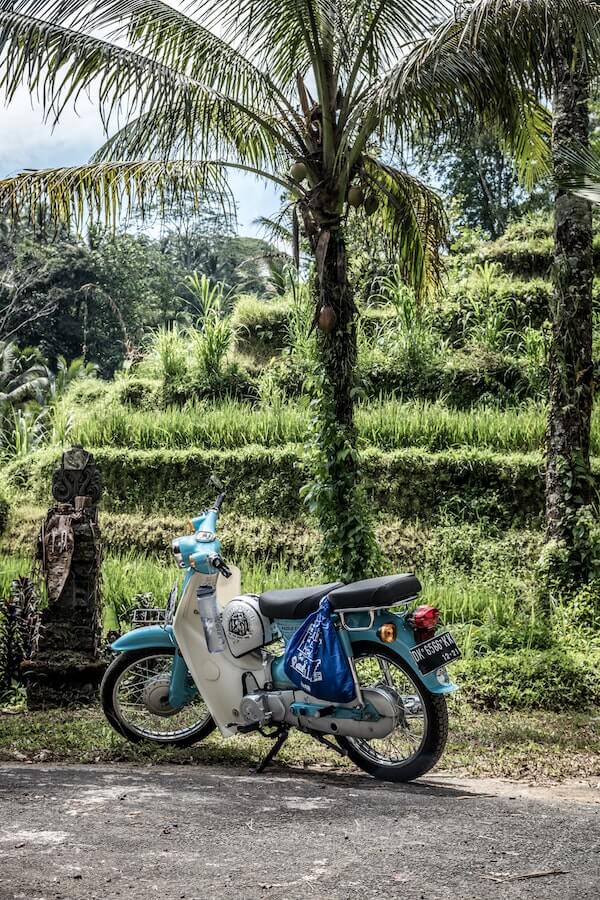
[[28, 142]]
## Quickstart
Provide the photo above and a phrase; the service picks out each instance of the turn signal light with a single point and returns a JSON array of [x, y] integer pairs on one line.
[[387, 633], [426, 618]]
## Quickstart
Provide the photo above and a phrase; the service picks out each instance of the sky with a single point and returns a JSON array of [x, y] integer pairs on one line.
[[27, 142]]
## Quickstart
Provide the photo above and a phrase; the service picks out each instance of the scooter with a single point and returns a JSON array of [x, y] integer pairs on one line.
[[213, 658]]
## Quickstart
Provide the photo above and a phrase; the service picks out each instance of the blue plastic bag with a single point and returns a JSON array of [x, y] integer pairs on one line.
[[315, 660]]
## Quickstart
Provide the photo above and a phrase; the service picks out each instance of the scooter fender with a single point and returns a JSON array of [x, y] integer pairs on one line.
[[147, 638], [405, 639], [157, 637]]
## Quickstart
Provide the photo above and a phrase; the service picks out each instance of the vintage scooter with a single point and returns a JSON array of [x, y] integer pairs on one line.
[[213, 659]]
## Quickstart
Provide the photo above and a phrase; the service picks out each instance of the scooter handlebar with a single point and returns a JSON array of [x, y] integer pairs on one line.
[[219, 501], [220, 565]]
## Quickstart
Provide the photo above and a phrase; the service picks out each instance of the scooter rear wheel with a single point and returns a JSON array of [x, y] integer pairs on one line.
[[134, 695], [417, 743]]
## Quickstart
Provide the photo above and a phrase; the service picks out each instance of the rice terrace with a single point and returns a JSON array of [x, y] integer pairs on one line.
[[299, 449]]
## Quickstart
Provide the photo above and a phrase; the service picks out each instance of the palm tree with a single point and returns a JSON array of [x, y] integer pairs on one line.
[[22, 376], [314, 95]]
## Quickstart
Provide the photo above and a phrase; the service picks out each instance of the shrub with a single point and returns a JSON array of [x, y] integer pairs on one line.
[[462, 379], [260, 327], [168, 353], [481, 376], [524, 302], [87, 391], [411, 484], [140, 393], [525, 248], [531, 679]]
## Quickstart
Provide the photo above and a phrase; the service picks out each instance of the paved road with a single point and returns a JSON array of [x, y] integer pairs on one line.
[[177, 833]]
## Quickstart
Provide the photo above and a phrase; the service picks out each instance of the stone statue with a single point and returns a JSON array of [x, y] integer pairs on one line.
[[67, 665]]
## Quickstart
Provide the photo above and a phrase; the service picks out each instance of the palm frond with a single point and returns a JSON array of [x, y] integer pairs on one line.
[[277, 228], [413, 220], [489, 61], [524, 128], [106, 191], [582, 175], [284, 36], [376, 32], [168, 36], [209, 129], [179, 112]]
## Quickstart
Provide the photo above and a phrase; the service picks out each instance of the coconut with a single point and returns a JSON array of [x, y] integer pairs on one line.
[[371, 204], [299, 171], [327, 319], [356, 196]]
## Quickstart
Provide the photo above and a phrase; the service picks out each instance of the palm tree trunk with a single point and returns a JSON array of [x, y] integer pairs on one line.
[[349, 549], [337, 349], [568, 478]]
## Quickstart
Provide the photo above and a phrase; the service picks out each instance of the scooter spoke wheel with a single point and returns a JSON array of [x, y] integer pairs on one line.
[[135, 699], [416, 743]]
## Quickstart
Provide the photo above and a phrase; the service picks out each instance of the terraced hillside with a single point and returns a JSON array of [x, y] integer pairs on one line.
[[451, 420]]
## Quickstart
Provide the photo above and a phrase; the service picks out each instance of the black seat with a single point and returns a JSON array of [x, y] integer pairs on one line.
[[298, 603], [376, 592], [294, 603]]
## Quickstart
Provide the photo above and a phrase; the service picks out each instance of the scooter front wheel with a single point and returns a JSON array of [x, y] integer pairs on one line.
[[417, 742], [135, 700]]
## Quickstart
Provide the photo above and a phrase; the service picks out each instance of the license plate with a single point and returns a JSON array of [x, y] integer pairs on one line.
[[435, 652]]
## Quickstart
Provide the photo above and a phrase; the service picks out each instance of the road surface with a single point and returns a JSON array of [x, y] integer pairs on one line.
[[200, 833]]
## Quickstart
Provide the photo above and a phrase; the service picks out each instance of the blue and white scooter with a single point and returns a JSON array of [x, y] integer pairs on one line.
[[212, 661]]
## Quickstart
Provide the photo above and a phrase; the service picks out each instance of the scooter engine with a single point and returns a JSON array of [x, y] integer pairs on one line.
[[382, 713], [261, 708]]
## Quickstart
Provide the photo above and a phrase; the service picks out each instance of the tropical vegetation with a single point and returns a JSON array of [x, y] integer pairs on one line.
[[375, 399]]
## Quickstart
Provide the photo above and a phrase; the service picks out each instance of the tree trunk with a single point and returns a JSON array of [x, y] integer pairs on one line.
[[337, 350], [568, 478], [349, 549]]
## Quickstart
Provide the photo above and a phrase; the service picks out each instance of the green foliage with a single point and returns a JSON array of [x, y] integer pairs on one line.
[[478, 176], [408, 335], [410, 483], [260, 326], [168, 355], [22, 432], [240, 263], [133, 391], [193, 362], [526, 247], [555, 679], [336, 495], [568, 577], [4, 509], [462, 379], [97, 296], [128, 575], [210, 340], [133, 420], [524, 302], [229, 424]]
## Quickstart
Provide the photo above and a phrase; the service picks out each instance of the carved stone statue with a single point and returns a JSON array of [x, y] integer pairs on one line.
[[67, 666]]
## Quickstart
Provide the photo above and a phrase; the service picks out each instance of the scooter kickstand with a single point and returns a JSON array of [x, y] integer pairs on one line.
[[277, 745]]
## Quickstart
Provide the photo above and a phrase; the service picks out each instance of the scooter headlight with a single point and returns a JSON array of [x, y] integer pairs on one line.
[[205, 537]]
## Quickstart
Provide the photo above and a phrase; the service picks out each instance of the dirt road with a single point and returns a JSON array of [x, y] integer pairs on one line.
[[177, 833]]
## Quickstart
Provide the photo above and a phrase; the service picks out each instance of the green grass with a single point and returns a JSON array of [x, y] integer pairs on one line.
[[532, 746], [125, 576], [388, 424], [482, 611], [12, 567], [472, 603]]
